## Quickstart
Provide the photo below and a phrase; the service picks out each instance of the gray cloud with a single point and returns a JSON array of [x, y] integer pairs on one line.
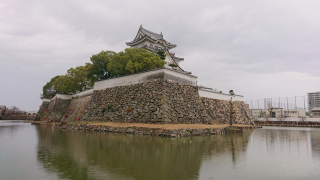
[[249, 46]]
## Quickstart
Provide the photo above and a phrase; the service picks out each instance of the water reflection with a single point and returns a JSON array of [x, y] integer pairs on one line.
[[272, 153], [83, 155], [39, 152], [315, 144]]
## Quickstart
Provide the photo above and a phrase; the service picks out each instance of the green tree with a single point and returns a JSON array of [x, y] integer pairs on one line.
[[48, 89], [161, 54], [133, 60], [74, 81], [97, 69], [64, 85], [79, 79]]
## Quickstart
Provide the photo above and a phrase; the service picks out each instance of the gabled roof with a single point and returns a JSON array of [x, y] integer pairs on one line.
[[144, 34], [151, 34]]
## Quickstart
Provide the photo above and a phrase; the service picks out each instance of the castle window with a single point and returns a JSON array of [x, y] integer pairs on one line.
[[156, 47], [151, 46]]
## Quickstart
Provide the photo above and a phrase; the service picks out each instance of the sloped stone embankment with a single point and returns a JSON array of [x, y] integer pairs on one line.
[[159, 101]]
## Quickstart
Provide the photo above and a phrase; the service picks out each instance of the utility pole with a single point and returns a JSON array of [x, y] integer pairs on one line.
[[287, 103], [295, 102], [304, 103]]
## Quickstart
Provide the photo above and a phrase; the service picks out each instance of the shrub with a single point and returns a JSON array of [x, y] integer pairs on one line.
[[173, 65], [78, 119], [93, 107], [129, 109], [43, 117], [66, 116], [142, 115], [190, 131], [70, 109], [103, 110], [47, 109]]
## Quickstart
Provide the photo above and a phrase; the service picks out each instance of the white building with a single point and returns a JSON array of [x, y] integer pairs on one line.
[[277, 112], [315, 112], [313, 100]]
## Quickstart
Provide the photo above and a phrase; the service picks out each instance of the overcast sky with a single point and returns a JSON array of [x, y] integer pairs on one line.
[[257, 48]]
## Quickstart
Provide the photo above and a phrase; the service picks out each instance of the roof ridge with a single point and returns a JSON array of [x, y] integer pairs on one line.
[[151, 31]]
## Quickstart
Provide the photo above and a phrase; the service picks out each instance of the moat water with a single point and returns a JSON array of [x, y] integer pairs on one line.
[[40, 152]]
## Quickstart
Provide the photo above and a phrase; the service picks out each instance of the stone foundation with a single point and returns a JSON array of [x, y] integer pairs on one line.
[[159, 101], [42, 111], [153, 131], [76, 109], [220, 110], [155, 101], [55, 110]]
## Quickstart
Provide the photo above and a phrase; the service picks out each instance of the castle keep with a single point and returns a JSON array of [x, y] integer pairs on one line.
[[154, 42], [163, 95]]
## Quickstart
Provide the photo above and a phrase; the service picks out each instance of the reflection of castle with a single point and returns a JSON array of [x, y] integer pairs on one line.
[[85, 155], [154, 42]]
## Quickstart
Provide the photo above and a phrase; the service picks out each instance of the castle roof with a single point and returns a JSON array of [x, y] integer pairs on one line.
[[144, 34]]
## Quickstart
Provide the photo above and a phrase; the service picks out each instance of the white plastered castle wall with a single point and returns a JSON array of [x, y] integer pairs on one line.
[[168, 74], [221, 96], [161, 73]]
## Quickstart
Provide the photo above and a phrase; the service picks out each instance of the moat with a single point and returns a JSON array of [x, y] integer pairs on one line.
[[42, 152]]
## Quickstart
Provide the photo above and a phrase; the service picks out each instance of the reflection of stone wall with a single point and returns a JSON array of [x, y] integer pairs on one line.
[[158, 101], [220, 109], [89, 155]]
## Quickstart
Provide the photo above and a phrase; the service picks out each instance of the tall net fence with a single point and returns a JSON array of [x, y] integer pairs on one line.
[[296, 102]]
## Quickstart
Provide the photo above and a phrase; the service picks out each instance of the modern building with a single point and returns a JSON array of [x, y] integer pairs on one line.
[[154, 42], [315, 112], [278, 112], [313, 100]]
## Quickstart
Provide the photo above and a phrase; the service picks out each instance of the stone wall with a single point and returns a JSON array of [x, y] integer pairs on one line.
[[57, 108], [220, 109], [42, 110], [159, 101], [76, 109]]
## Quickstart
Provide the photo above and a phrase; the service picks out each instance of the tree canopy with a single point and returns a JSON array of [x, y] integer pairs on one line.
[[104, 65], [161, 54], [48, 90], [97, 69], [134, 60]]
